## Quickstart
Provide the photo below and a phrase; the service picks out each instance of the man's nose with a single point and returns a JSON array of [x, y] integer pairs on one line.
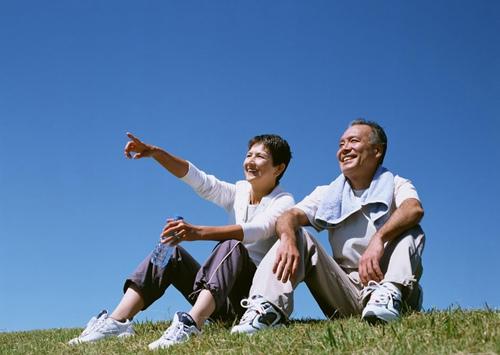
[[346, 147]]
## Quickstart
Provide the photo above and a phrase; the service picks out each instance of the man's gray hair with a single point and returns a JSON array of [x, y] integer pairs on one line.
[[377, 136]]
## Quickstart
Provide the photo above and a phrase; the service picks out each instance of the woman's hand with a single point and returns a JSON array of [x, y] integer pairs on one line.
[[176, 231], [139, 148]]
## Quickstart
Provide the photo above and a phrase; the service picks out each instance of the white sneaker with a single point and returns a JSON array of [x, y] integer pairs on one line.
[[182, 327], [384, 304], [102, 326], [260, 314]]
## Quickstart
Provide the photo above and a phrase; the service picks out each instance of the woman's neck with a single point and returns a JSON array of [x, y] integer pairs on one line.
[[257, 194]]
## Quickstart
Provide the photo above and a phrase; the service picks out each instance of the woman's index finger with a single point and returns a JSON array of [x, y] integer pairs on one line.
[[131, 136]]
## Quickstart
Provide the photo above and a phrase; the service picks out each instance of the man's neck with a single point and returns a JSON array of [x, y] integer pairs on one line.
[[360, 182]]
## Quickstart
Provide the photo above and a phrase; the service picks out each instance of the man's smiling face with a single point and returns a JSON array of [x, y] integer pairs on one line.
[[357, 154]]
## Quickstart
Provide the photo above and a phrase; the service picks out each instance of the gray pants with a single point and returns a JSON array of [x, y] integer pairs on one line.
[[339, 291], [227, 274]]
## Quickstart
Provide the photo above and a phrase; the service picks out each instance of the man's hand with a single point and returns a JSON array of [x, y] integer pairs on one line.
[[369, 264], [140, 149], [178, 231], [406, 216], [288, 256], [287, 260]]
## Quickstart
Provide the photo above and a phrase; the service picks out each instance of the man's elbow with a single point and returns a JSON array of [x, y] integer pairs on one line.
[[420, 214], [290, 218], [418, 210]]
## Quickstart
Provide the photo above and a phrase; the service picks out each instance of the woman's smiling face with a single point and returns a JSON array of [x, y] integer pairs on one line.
[[258, 166]]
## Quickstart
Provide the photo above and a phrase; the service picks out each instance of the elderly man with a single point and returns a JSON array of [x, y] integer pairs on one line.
[[372, 217]]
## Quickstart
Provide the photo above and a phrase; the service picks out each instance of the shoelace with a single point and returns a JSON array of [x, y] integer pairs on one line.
[[381, 293], [172, 332], [369, 289], [253, 306], [95, 325]]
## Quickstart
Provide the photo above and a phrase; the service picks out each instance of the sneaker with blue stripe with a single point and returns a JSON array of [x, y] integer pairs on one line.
[[260, 314], [384, 304]]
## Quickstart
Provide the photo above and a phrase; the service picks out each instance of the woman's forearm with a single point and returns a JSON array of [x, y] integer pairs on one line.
[[220, 233], [175, 165]]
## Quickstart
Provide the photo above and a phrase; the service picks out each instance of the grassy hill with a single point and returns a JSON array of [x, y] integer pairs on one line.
[[433, 332]]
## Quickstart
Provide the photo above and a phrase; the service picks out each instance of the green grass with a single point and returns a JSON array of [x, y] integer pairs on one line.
[[433, 332]]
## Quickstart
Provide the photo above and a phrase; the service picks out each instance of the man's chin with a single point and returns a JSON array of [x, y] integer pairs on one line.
[[346, 169]]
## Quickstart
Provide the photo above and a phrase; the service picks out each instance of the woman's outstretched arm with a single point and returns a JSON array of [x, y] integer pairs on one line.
[[136, 149]]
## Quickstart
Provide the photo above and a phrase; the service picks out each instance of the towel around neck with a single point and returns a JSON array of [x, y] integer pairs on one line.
[[340, 202]]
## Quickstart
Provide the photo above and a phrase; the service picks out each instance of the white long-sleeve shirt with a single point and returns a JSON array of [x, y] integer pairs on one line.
[[257, 221]]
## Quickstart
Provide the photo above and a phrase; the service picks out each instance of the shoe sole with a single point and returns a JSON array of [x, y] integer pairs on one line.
[[374, 320], [277, 326], [78, 341]]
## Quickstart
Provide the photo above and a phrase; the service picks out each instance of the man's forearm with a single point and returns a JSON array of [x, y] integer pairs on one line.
[[404, 217]]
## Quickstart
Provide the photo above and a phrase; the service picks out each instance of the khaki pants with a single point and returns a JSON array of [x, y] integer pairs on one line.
[[338, 291]]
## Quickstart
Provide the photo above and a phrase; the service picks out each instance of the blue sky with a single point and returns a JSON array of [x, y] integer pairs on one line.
[[199, 78]]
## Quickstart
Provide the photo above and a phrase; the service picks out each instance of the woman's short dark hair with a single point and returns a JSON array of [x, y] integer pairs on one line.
[[377, 136], [277, 146]]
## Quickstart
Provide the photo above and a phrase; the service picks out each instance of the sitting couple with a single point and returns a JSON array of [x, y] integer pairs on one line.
[[263, 253]]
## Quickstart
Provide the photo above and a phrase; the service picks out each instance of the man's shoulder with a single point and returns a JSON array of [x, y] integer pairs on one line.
[[399, 177], [320, 189], [404, 189], [399, 181]]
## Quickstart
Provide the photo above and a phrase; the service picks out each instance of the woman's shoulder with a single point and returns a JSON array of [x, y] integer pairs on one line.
[[243, 185]]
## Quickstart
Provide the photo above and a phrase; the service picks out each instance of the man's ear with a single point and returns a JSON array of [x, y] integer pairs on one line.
[[378, 151]]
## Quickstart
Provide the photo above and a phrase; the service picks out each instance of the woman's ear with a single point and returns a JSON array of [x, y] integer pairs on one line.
[[279, 169]]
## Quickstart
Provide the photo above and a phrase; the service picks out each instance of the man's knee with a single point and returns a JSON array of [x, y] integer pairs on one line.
[[412, 239]]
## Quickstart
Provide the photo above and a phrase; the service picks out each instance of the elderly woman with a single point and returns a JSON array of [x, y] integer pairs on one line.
[[216, 288]]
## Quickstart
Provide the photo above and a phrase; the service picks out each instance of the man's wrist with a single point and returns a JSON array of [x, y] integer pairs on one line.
[[287, 237], [379, 236]]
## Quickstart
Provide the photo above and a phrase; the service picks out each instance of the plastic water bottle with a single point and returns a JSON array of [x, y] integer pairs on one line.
[[162, 252]]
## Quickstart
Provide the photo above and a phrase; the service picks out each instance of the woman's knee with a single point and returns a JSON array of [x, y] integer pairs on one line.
[[229, 245]]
